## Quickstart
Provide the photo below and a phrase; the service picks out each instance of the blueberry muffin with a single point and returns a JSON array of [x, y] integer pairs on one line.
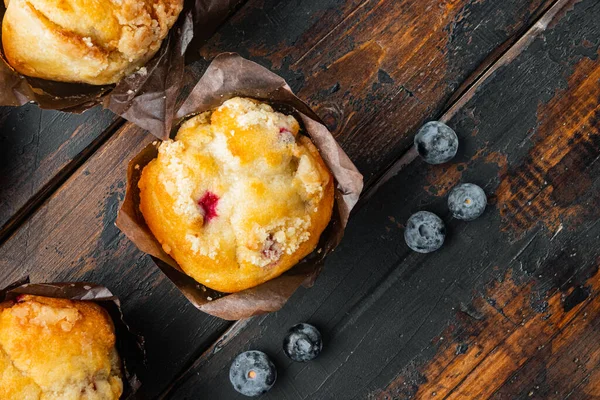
[[89, 41], [57, 349], [239, 197]]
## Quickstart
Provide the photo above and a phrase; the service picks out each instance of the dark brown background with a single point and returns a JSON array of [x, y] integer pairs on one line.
[[508, 309]]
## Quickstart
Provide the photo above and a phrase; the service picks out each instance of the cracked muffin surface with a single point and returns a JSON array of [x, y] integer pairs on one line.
[[89, 41], [57, 349], [239, 197]]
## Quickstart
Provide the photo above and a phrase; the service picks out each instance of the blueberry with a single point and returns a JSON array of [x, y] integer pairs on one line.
[[252, 373], [425, 232], [436, 142], [303, 343], [467, 201]]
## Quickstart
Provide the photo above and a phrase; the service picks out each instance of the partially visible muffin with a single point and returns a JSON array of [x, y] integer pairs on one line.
[[57, 349], [239, 197], [90, 41]]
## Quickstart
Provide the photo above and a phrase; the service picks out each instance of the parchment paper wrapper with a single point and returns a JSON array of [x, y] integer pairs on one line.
[[148, 100], [129, 345], [230, 75]]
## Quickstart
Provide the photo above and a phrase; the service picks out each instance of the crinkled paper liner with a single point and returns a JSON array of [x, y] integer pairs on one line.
[[147, 99], [230, 75], [129, 345]]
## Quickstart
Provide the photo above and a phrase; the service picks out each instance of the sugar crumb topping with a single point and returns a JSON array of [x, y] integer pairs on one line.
[[46, 316], [265, 185], [40, 356], [207, 247]]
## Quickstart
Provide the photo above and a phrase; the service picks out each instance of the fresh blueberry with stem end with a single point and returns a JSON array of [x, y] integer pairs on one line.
[[467, 201], [252, 373], [436, 142], [425, 232], [303, 342]]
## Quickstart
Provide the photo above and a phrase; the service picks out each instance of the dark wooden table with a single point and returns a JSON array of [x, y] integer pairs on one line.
[[509, 308]]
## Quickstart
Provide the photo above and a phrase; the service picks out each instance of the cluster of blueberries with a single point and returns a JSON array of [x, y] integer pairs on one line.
[[253, 373], [425, 232]]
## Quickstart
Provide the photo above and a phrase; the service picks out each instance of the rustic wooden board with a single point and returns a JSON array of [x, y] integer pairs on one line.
[[72, 235], [375, 70], [37, 148], [509, 307]]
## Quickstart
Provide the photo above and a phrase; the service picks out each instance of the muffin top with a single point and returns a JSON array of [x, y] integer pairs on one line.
[[239, 197], [90, 41], [57, 349]]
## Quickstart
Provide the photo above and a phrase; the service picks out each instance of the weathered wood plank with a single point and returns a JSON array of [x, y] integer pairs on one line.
[[375, 70], [511, 351], [72, 235], [402, 325], [35, 146], [572, 352]]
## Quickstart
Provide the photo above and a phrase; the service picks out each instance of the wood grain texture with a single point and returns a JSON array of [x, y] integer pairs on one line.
[[472, 320], [72, 236], [39, 149], [375, 70], [37, 145], [512, 350]]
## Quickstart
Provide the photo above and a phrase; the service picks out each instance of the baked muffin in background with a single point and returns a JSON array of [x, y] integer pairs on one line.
[[57, 349], [89, 41], [239, 197]]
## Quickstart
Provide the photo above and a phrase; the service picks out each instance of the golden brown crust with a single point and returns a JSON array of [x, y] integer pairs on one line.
[[273, 195], [89, 41], [55, 349]]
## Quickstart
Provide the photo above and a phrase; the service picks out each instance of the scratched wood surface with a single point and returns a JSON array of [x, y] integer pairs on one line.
[[440, 46], [374, 71], [40, 146], [508, 309]]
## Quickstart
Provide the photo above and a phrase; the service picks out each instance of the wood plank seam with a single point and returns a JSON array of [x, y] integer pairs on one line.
[[490, 64], [503, 341], [46, 191], [346, 18], [206, 355], [497, 55], [465, 92]]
